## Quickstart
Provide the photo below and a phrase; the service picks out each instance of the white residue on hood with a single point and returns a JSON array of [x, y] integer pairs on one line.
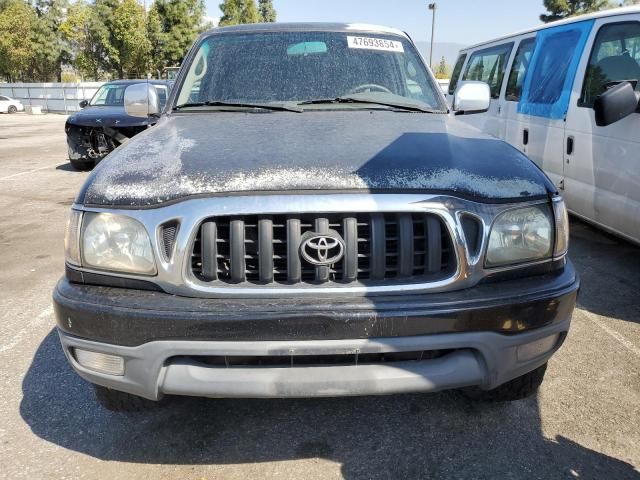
[[169, 183]]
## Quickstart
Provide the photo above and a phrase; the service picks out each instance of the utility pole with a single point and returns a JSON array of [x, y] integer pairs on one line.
[[433, 7]]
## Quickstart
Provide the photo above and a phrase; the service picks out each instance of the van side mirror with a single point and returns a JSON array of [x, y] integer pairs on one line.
[[616, 103], [83, 103], [141, 100], [472, 97]]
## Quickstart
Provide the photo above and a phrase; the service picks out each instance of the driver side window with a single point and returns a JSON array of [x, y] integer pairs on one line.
[[615, 57]]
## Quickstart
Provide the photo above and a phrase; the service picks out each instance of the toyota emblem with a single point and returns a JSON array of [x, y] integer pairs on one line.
[[322, 248]]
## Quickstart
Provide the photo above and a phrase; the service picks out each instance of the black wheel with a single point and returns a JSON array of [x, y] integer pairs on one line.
[[82, 165], [516, 389], [12, 109], [117, 401]]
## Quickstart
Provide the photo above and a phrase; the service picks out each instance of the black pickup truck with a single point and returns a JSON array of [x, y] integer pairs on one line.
[[309, 218], [102, 124]]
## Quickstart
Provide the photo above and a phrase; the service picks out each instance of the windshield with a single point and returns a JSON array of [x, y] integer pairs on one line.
[[112, 95], [109, 95], [297, 67]]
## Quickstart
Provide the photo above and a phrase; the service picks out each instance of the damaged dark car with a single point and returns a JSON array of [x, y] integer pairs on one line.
[[308, 218], [102, 124]]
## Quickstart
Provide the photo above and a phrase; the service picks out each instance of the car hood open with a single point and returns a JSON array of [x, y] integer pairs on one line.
[[213, 153]]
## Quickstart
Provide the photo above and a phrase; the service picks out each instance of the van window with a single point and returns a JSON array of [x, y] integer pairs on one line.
[[519, 69], [488, 66], [615, 57], [455, 76], [552, 66]]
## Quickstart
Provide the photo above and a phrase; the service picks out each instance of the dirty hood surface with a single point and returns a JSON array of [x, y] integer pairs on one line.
[[198, 154]]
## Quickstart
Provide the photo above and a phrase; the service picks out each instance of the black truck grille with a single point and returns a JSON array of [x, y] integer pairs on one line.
[[377, 249]]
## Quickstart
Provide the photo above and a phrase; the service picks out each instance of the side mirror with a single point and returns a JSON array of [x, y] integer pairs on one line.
[[472, 97], [616, 103], [141, 100], [83, 103]]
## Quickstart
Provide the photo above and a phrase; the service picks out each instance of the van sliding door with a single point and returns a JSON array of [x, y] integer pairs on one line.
[[545, 95], [602, 164]]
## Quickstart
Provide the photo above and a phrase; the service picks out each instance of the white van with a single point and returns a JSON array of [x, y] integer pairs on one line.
[[548, 89]]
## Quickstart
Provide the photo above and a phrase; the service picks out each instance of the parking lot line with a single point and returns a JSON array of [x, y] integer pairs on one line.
[[17, 338], [28, 172], [615, 335]]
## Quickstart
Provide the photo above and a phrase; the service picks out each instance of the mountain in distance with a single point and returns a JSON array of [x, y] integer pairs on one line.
[[447, 50]]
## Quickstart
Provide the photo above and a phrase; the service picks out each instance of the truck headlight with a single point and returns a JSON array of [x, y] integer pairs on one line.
[[72, 238], [562, 227], [521, 235], [116, 243]]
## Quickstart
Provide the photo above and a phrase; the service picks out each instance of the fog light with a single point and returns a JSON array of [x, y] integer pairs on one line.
[[100, 362], [537, 348]]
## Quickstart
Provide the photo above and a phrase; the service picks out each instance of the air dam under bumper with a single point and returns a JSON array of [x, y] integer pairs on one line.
[[471, 356]]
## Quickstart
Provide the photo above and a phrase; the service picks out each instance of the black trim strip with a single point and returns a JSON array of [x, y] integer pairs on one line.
[[294, 268], [265, 249], [237, 250], [209, 250], [378, 258]]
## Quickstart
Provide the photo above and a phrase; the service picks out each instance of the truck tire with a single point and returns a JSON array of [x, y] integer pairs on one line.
[[516, 389], [117, 401]]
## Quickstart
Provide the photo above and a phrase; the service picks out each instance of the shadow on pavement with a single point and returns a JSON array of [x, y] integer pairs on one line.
[[609, 268], [411, 436], [66, 167]]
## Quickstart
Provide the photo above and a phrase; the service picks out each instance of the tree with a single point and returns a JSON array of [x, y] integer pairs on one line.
[[17, 22], [130, 39], [86, 34], [559, 9], [231, 12], [181, 21], [249, 12], [235, 12], [443, 70], [267, 12]]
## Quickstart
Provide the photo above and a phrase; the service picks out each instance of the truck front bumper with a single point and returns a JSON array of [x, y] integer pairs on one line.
[[483, 336]]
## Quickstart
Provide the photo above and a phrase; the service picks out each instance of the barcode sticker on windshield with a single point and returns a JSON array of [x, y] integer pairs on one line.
[[368, 43]]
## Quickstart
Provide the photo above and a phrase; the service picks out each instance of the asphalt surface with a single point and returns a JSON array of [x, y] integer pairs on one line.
[[584, 423]]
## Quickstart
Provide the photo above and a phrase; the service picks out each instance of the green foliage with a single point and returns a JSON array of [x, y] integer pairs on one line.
[[249, 12], [17, 22], [231, 12], [443, 70], [100, 39], [235, 12], [180, 21], [267, 12], [559, 9]]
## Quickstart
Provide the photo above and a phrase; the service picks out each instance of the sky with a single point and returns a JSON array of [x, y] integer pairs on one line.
[[458, 21]]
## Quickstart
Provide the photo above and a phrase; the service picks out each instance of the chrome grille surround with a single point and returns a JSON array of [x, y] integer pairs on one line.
[[175, 275]]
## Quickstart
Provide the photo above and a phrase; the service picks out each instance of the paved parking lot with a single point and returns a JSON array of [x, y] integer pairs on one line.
[[585, 422]]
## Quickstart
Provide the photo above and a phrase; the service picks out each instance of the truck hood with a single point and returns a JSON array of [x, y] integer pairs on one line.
[[100, 116], [199, 154]]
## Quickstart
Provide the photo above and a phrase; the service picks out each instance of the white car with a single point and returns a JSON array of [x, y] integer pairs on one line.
[[9, 105]]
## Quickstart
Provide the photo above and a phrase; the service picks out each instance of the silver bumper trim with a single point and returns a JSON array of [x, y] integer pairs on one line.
[[485, 359]]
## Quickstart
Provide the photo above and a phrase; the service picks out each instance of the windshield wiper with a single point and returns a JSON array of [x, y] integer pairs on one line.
[[278, 107], [348, 99]]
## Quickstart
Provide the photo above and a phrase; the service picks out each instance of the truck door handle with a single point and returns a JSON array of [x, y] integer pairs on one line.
[[570, 143], [525, 136]]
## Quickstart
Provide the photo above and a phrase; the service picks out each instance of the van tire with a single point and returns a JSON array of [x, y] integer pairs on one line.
[[517, 389], [117, 401]]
